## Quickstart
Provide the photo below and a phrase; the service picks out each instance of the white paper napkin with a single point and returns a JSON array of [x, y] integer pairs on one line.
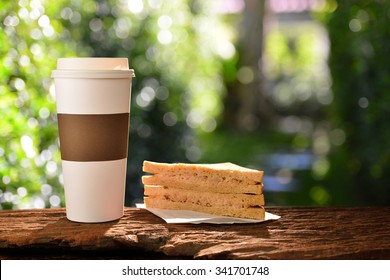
[[193, 217]]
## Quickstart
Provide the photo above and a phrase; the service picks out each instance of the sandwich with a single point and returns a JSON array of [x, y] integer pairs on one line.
[[221, 189]]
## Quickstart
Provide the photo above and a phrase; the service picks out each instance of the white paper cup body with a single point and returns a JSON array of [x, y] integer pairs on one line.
[[92, 94]]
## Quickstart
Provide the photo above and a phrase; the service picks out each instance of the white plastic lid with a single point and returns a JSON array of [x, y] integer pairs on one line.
[[93, 67]]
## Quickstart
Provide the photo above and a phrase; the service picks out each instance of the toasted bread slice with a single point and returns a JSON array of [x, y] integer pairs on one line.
[[205, 198], [188, 183], [218, 174], [257, 213]]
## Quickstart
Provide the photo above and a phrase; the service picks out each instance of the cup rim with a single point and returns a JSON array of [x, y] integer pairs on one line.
[[92, 63], [85, 74]]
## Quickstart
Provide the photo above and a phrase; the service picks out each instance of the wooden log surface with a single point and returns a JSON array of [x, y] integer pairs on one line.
[[300, 233]]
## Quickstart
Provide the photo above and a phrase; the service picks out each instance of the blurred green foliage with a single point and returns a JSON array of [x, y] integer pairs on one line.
[[359, 63], [295, 63], [176, 92], [28, 134], [349, 132]]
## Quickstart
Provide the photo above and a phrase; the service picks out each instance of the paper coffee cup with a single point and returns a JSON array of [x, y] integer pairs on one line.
[[93, 109]]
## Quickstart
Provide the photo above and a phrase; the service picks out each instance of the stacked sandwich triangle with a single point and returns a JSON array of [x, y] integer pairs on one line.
[[221, 189]]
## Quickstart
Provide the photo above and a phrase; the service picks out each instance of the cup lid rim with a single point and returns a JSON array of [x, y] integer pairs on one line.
[[92, 63], [82, 74]]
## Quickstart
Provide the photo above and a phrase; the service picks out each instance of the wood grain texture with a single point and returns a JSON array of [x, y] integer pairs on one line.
[[301, 233]]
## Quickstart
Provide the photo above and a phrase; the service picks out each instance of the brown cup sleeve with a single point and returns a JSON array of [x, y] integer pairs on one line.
[[93, 137]]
